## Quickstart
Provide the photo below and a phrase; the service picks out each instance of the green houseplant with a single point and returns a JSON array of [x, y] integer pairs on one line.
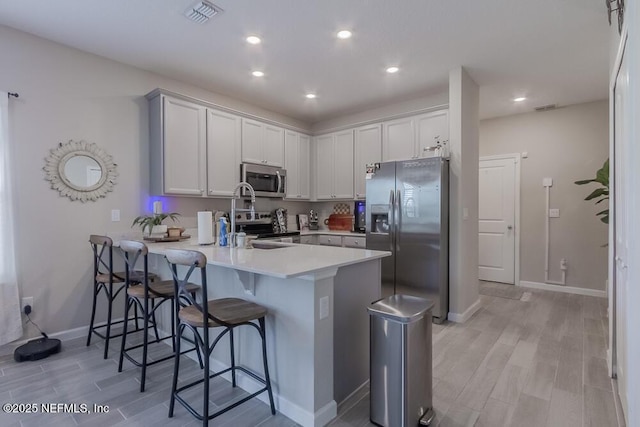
[[601, 193], [150, 221]]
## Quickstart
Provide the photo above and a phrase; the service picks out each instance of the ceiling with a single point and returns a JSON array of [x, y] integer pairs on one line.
[[551, 51]]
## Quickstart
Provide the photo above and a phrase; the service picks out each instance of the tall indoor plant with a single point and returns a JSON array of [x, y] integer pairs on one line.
[[601, 193]]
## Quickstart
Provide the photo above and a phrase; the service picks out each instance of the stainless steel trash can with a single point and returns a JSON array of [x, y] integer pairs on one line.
[[400, 370]]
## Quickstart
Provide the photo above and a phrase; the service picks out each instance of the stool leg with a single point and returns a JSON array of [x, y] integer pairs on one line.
[[173, 327], [93, 312], [176, 368], [155, 324], [263, 333], [205, 407], [145, 342], [127, 304], [233, 358], [109, 310], [135, 311]]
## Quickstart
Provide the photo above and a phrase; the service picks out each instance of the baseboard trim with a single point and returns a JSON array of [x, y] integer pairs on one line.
[[463, 317], [565, 289]]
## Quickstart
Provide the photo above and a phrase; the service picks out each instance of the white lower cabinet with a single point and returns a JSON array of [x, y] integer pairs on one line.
[[334, 240], [354, 242], [329, 240], [309, 240]]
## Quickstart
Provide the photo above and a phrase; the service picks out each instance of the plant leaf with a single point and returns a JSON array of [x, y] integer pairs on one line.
[[605, 219], [596, 193], [602, 200], [604, 212], [585, 181]]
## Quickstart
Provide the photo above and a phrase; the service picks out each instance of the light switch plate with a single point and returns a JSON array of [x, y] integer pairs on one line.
[[115, 215], [554, 213], [324, 307], [547, 182]]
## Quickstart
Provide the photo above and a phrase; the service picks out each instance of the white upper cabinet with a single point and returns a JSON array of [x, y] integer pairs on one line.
[[262, 143], [412, 137], [178, 146], [431, 128], [334, 166], [297, 164], [368, 149], [223, 152]]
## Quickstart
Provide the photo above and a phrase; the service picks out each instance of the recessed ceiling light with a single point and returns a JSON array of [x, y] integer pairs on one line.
[[310, 95], [392, 70], [258, 74], [520, 99], [344, 34], [253, 40]]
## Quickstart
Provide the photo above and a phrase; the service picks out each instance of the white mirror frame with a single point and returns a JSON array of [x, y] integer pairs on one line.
[[59, 156]]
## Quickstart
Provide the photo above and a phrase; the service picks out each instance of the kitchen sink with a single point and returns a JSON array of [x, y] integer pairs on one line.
[[268, 245]]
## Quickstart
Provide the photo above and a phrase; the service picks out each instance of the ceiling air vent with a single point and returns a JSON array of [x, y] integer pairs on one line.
[[547, 107], [202, 11]]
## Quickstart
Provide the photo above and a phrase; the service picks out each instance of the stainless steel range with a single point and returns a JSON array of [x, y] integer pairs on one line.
[[262, 227]]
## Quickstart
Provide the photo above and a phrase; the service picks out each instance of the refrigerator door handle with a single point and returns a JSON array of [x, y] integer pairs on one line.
[[392, 221], [398, 220]]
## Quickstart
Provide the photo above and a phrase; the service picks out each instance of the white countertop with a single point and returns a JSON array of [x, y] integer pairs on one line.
[[287, 261]]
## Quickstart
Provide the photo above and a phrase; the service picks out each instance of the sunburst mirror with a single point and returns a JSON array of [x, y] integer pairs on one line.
[[80, 170]]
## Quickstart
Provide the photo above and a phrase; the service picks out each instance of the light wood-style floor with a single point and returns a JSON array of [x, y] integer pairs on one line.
[[534, 361]]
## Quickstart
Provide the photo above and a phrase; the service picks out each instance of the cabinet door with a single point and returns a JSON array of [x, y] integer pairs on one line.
[[354, 242], [329, 240], [308, 240], [368, 149], [184, 147], [324, 167], [304, 167], [273, 146], [252, 135], [343, 165], [431, 128], [223, 148], [398, 141], [291, 163]]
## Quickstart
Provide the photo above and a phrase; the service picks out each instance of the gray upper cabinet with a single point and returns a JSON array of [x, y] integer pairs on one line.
[[177, 146], [262, 143]]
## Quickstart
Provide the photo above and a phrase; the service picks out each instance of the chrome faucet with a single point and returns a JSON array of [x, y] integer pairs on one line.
[[252, 210]]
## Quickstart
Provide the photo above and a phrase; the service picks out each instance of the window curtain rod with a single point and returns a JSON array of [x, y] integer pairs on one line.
[[13, 94]]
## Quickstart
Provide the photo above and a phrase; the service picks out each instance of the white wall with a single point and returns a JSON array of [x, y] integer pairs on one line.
[[464, 103], [567, 144], [68, 94], [416, 105]]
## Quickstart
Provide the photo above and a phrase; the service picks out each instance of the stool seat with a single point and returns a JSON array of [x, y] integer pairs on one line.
[[118, 277], [163, 289], [232, 311]]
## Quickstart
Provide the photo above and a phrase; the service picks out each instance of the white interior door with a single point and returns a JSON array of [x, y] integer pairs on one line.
[[497, 184], [621, 190]]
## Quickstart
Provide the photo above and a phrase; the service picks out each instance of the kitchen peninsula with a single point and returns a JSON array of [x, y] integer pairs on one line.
[[317, 326]]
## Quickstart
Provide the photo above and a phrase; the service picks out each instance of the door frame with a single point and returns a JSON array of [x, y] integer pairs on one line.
[[516, 213]]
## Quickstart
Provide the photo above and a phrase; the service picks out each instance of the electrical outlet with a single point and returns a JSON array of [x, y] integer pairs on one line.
[[324, 307], [27, 301], [547, 182], [554, 213]]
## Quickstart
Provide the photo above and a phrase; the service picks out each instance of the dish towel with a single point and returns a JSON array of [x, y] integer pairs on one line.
[[10, 320]]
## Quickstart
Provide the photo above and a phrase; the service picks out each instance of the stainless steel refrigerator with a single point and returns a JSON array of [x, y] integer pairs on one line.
[[408, 214]]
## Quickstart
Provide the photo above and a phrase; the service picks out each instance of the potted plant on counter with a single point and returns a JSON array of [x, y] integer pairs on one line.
[[153, 223]]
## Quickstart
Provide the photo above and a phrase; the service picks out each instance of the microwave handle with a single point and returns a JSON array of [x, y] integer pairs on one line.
[[279, 181]]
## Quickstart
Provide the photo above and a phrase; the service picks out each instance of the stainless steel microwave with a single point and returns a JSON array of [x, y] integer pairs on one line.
[[267, 181]]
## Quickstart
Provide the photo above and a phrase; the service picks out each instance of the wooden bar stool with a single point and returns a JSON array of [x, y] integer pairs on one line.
[[227, 313], [148, 298], [104, 279]]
